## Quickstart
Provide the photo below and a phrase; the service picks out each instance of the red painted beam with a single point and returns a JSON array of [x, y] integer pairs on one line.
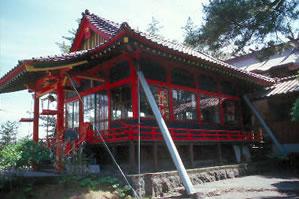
[[59, 126], [36, 118]]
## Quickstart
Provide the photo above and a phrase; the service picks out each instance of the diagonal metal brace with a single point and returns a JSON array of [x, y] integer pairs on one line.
[[166, 135], [264, 125]]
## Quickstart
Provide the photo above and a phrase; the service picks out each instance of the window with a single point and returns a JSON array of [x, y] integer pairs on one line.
[[182, 77], [152, 70], [207, 83], [85, 84], [96, 110], [161, 98], [89, 108], [209, 109], [121, 103], [102, 111], [72, 114], [231, 116], [184, 105], [228, 88], [119, 71]]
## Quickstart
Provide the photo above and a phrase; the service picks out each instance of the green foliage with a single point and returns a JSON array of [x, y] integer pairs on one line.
[[8, 132], [23, 154], [295, 111], [154, 27], [295, 108], [49, 123], [97, 183], [65, 45], [237, 24]]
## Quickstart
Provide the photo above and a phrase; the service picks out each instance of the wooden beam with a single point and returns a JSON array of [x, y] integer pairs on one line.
[[191, 152], [90, 78], [31, 68], [219, 152], [132, 155], [155, 152]]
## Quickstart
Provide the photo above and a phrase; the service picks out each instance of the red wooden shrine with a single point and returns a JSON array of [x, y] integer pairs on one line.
[[198, 95]]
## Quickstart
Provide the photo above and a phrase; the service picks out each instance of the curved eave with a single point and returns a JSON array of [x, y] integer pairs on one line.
[[25, 73], [192, 57], [14, 79]]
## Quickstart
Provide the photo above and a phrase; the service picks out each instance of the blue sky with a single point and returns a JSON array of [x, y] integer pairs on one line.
[[30, 29]]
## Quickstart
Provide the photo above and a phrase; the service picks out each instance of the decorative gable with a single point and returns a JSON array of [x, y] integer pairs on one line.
[[91, 39], [92, 31]]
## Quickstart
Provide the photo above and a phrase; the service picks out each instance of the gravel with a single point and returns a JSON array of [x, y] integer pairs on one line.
[[255, 186]]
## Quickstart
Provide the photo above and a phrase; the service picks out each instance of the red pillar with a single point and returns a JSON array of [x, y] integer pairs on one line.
[[81, 113], [134, 90], [36, 119], [169, 82], [59, 126]]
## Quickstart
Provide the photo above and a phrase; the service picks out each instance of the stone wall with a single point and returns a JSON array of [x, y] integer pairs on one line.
[[164, 183]]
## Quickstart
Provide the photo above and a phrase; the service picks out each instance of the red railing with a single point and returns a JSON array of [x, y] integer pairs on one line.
[[148, 133]]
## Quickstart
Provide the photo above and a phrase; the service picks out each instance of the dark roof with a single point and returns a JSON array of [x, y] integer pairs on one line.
[[286, 57], [116, 30], [286, 85]]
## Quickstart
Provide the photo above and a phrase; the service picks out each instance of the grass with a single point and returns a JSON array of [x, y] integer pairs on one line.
[[71, 187]]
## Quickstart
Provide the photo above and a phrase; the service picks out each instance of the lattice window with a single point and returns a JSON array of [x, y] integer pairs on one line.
[[121, 103], [72, 114], [162, 100], [209, 109], [184, 105]]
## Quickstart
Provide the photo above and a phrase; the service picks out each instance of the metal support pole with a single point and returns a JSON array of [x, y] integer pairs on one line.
[[166, 135], [264, 125]]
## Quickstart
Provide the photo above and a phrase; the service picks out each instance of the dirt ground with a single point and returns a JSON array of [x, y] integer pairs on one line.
[[255, 186]]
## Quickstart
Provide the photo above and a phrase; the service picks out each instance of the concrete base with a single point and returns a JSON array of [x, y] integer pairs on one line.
[[246, 153], [237, 151], [166, 184]]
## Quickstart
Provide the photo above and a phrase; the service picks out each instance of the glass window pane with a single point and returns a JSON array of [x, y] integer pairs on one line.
[[209, 109], [69, 115], [121, 103], [89, 108], [161, 98], [153, 70], [76, 114], [231, 116], [184, 105], [119, 71], [207, 83], [228, 88], [102, 111], [182, 77], [72, 113]]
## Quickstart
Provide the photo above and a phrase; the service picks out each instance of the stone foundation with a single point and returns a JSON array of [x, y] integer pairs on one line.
[[163, 183]]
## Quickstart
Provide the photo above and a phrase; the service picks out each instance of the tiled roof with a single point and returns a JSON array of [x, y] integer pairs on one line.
[[285, 85], [107, 26], [113, 29], [251, 63], [190, 51]]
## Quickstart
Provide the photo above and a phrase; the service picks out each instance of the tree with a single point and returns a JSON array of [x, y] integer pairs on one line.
[[23, 153], [49, 124], [65, 45], [295, 111], [238, 25], [154, 27], [189, 31], [295, 108], [8, 133]]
